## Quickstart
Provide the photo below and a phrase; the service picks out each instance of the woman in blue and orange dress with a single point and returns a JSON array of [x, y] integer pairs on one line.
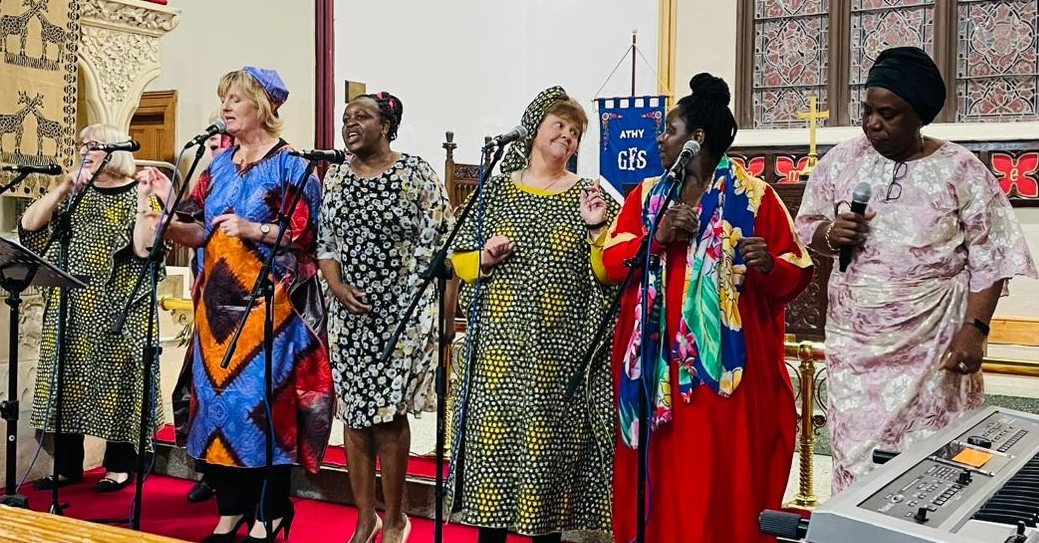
[[236, 204]]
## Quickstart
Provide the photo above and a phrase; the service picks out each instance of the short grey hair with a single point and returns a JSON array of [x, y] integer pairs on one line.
[[122, 163]]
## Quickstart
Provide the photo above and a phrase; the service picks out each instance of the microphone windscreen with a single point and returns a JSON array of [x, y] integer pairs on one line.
[[862, 193]]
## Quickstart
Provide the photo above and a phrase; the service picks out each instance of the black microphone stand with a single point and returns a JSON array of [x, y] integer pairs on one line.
[[62, 233], [264, 286], [437, 270], [152, 348], [14, 182], [9, 408], [635, 264]]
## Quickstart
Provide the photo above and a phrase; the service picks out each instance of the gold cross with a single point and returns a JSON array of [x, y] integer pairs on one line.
[[812, 115]]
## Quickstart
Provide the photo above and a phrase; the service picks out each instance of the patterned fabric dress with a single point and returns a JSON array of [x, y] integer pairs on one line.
[[383, 231], [721, 449], [531, 459], [104, 376], [229, 416], [893, 313]]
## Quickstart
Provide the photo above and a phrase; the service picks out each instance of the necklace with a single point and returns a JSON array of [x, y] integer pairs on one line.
[[556, 179]]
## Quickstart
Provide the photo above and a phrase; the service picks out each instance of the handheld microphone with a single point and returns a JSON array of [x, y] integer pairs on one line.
[[129, 145], [517, 133], [859, 201], [46, 169], [333, 156], [216, 128], [689, 150]]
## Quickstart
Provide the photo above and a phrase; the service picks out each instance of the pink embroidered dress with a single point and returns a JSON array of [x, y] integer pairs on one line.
[[892, 314]]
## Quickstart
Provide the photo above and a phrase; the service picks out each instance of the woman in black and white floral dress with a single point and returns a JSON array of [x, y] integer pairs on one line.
[[382, 218]]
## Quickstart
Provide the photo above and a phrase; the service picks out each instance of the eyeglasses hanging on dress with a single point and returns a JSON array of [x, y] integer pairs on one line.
[[894, 188]]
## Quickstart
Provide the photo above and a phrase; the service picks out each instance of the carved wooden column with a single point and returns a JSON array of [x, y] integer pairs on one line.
[[119, 55]]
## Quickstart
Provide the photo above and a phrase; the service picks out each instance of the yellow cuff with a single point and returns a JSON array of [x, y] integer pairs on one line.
[[467, 266]]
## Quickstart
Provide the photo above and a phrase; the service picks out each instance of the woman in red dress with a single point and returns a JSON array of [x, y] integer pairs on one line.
[[710, 357]]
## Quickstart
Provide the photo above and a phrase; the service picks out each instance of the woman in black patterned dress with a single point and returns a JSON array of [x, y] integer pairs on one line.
[[382, 218], [112, 229]]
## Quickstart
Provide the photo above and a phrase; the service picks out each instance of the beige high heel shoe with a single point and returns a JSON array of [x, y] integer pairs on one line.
[[375, 531], [406, 532]]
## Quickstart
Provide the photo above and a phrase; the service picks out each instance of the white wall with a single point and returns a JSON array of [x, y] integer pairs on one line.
[[215, 37], [472, 66]]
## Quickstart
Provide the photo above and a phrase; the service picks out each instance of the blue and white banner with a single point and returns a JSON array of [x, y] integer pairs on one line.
[[628, 151]]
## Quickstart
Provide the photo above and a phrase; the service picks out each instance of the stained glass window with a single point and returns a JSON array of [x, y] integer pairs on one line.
[[992, 54], [791, 51], [881, 24], [997, 65]]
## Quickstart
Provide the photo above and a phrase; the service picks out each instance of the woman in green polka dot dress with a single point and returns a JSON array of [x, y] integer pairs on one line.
[[102, 385], [529, 459]]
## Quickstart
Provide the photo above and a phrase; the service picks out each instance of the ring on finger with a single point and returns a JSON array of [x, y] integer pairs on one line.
[[962, 366]]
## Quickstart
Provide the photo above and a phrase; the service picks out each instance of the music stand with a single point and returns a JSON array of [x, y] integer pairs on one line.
[[19, 269]]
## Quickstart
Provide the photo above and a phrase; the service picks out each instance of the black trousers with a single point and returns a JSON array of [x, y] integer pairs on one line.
[[497, 535], [238, 491], [119, 457]]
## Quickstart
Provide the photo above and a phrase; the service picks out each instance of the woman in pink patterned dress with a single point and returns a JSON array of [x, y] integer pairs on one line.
[[907, 320]]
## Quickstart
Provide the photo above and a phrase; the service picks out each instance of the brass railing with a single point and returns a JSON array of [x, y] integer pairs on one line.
[[808, 353]]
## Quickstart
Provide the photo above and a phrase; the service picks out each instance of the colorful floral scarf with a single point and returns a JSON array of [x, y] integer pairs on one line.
[[708, 347]]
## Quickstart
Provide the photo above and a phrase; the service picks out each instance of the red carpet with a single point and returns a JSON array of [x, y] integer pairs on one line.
[[166, 511], [418, 466]]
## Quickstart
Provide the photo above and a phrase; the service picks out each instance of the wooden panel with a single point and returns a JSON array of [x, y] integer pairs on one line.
[[1014, 331], [154, 125], [1012, 162], [355, 89], [806, 314], [21, 525]]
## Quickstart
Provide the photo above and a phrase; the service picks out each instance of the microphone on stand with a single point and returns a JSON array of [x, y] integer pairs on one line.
[[216, 128], [689, 150], [333, 156], [517, 133], [859, 201], [46, 169], [129, 145]]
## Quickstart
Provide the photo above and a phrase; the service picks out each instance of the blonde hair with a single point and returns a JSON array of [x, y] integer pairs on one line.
[[214, 116], [121, 163], [251, 90]]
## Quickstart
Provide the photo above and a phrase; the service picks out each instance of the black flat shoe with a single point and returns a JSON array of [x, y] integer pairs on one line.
[[200, 492], [47, 483], [111, 485]]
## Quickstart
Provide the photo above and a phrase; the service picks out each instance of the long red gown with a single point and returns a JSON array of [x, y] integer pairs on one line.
[[721, 461]]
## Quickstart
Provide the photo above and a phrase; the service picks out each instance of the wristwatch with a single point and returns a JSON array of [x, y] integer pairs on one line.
[[265, 229], [979, 324]]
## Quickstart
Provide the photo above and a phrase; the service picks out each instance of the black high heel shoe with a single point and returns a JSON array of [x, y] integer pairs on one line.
[[229, 537], [284, 525]]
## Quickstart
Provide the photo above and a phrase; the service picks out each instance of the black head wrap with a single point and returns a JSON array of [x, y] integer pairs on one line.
[[913, 76], [390, 109]]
